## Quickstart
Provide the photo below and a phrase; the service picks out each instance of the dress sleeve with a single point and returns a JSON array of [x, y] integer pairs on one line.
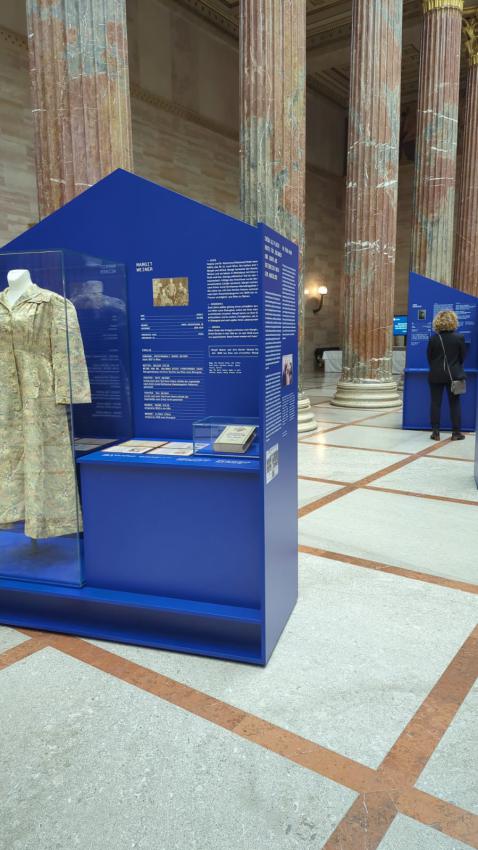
[[68, 356]]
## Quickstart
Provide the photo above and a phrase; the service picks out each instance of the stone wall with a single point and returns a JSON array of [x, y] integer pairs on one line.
[[190, 144], [185, 135], [185, 156], [18, 194], [325, 223]]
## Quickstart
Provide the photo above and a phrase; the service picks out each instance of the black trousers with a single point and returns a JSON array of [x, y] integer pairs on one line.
[[436, 391]]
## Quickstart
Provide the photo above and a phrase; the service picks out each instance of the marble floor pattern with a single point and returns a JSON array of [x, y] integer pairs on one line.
[[361, 733]]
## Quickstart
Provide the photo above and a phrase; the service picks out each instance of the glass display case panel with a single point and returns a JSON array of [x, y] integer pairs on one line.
[[226, 436], [97, 289], [54, 306]]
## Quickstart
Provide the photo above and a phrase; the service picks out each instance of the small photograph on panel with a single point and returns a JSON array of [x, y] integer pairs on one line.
[[287, 370], [171, 291]]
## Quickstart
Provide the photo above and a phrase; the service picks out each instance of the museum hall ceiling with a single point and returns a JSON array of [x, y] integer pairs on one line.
[[328, 41]]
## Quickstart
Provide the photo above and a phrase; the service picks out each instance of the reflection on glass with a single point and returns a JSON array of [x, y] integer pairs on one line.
[[65, 381]]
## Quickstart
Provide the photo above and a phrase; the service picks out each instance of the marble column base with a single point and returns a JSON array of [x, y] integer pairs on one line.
[[367, 394], [306, 418]]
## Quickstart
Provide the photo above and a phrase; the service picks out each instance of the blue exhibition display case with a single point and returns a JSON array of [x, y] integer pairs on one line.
[[189, 334], [426, 299], [476, 454], [61, 340]]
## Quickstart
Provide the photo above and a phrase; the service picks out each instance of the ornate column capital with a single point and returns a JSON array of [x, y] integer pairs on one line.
[[470, 28], [432, 5]]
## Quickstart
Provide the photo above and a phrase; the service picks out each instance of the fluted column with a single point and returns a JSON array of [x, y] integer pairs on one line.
[[371, 205], [273, 73], [466, 247], [437, 133], [80, 92]]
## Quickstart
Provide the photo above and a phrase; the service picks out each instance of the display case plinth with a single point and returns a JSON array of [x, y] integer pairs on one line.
[[220, 631]]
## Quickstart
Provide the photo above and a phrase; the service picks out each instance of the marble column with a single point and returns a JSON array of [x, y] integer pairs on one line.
[[80, 92], [273, 75], [371, 206], [466, 246], [437, 134]]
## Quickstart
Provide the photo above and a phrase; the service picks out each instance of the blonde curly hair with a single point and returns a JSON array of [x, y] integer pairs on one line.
[[445, 320]]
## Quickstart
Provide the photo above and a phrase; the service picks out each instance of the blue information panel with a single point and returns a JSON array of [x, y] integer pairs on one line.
[[194, 553], [426, 299], [280, 373], [400, 325], [476, 455]]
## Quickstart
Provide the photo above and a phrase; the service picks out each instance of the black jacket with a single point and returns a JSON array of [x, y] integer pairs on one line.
[[455, 351]]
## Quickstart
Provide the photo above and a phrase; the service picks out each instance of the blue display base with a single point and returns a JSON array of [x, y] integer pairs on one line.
[[416, 403], [169, 532], [220, 631], [55, 560]]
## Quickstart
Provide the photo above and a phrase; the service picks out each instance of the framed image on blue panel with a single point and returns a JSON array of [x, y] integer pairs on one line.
[[192, 353]]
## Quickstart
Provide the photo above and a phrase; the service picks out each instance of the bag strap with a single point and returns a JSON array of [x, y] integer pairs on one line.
[[445, 358]]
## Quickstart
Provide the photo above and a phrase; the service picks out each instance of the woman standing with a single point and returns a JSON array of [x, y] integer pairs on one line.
[[446, 356]]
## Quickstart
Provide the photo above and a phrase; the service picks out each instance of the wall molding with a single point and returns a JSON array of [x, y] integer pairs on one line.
[[181, 111], [172, 107], [194, 117]]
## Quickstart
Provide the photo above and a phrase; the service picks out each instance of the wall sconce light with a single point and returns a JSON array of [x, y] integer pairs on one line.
[[316, 295]]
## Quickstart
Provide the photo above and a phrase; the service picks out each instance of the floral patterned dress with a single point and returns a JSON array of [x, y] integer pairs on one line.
[[42, 371]]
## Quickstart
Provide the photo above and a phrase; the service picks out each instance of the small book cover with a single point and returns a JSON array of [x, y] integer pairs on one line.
[[235, 439]]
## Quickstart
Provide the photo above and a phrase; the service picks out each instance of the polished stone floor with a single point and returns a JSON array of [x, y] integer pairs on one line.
[[361, 733]]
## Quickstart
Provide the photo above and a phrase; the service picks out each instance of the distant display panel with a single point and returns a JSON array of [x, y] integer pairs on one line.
[[400, 325]]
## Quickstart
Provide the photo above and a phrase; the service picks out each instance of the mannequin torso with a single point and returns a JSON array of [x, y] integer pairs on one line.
[[18, 281]]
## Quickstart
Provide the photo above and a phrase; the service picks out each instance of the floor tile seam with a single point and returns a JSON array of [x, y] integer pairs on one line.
[[365, 823], [14, 654], [439, 814], [384, 427], [405, 798], [402, 572], [305, 510], [418, 741], [375, 476], [363, 482], [301, 751], [371, 815], [449, 457], [305, 753], [377, 415], [320, 442], [335, 426], [361, 421], [415, 495], [307, 438], [323, 480]]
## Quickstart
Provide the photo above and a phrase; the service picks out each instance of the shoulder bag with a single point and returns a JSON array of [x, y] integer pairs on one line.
[[458, 387]]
